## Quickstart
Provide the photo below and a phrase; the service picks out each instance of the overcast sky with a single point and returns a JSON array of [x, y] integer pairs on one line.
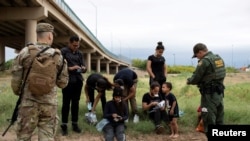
[[133, 27]]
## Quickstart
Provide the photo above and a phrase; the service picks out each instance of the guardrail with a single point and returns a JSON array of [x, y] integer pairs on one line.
[[64, 6]]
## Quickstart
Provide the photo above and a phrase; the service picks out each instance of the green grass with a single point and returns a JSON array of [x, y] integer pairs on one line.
[[236, 102]]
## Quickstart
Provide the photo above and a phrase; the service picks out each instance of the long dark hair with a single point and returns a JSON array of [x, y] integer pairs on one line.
[[104, 83], [109, 85]]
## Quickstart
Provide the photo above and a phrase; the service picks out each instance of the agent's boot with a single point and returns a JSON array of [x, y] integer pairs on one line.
[[64, 130], [76, 128]]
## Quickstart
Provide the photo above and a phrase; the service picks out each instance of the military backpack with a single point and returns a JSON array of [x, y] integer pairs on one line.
[[43, 73]]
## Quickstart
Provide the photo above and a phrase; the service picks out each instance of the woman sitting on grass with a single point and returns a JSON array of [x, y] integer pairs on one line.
[[116, 112], [152, 103]]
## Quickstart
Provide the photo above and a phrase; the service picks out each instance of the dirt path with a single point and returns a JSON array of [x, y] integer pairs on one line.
[[191, 136]]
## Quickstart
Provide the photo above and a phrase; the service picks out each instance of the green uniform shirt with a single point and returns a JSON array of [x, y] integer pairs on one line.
[[206, 72]]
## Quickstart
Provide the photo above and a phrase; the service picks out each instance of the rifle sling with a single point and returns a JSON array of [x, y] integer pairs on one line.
[[15, 113]]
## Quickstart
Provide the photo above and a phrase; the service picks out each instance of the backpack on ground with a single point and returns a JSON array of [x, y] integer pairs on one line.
[[43, 72]]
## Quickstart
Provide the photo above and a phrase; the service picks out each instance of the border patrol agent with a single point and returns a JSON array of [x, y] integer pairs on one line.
[[209, 77]]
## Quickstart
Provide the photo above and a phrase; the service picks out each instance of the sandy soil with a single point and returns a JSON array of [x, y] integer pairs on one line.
[[191, 136]]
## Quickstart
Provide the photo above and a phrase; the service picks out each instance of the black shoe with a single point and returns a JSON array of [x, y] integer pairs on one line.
[[76, 128], [64, 130]]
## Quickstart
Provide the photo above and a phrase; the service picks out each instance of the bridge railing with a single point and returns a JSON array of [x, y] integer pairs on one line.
[[64, 6]]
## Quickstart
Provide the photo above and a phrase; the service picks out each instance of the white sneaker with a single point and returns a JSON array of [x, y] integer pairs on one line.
[[136, 118]]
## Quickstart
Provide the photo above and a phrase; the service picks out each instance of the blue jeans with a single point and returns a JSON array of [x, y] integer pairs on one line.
[[114, 131]]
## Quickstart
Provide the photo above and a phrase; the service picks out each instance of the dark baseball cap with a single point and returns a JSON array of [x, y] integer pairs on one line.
[[198, 47], [44, 27]]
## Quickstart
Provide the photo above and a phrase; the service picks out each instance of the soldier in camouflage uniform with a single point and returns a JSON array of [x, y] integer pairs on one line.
[[37, 111], [209, 76]]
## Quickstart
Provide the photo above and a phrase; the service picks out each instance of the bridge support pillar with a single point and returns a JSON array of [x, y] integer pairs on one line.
[[116, 68], [107, 68], [2, 56], [98, 65], [88, 62], [30, 31]]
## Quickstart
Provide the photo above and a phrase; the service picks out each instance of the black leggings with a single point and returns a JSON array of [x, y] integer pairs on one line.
[[158, 116]]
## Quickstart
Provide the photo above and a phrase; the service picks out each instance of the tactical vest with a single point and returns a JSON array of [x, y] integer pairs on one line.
[[218, 67], [43, 73]]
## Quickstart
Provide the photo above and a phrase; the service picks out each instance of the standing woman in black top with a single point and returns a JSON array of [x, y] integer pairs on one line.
[[72, 93], [156, 65]]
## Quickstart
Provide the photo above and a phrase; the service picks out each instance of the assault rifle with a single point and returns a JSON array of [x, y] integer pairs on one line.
[[14, 116], [15, 113]]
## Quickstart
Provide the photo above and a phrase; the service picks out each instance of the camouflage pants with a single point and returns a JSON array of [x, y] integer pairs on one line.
[[32, 115]]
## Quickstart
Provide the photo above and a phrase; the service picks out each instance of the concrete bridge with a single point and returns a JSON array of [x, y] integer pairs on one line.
[[18, 20]]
